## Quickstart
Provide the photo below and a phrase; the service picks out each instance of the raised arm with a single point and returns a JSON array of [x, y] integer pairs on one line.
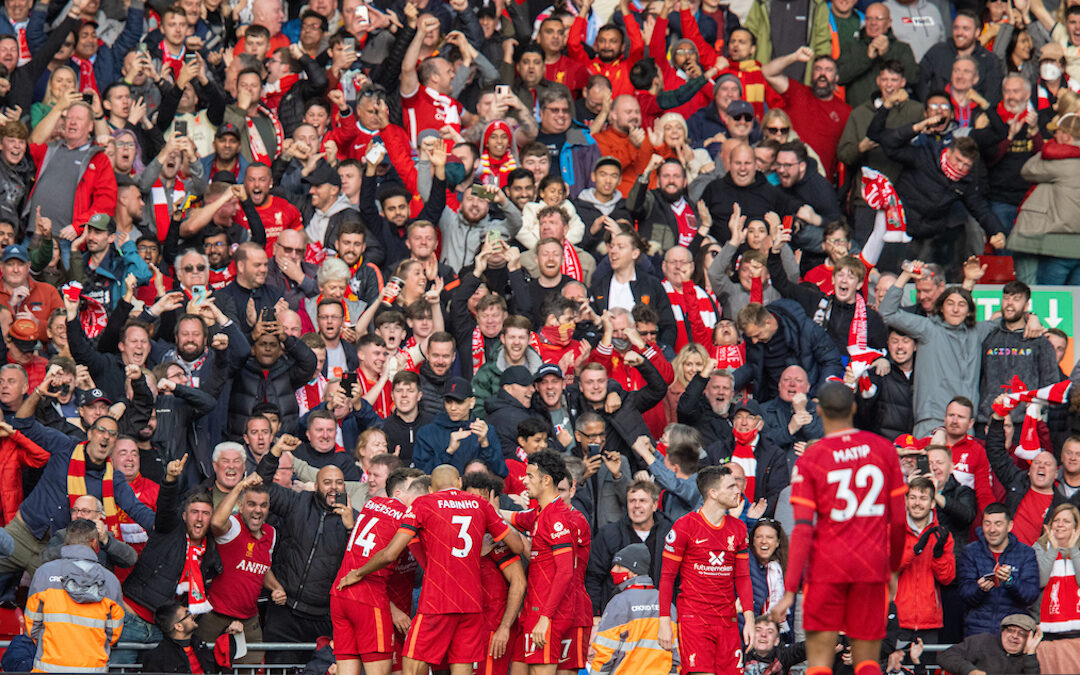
[[410, 83], [219, 522], [774, 70]]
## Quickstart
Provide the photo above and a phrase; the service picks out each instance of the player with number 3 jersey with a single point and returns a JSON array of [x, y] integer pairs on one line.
[[850, 483], [450, 524]]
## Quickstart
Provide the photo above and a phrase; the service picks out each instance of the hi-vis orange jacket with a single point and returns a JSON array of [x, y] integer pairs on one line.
[[626, 639], [74, 613]]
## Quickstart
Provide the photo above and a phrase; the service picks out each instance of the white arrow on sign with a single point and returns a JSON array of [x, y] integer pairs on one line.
[[1052, 318]]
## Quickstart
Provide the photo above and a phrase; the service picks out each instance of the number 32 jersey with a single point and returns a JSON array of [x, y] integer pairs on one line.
[[451, 525], [376, 525], [852, 481]]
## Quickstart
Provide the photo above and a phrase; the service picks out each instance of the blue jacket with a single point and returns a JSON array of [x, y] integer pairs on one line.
[[777, 414], [112, 270], [812, 349], [433, 439], [986, 609], [576, 158], [47, 508]]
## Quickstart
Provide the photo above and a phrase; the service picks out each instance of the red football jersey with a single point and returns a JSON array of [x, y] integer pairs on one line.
[[428, 109], [245, 561], [451, 525], [496, 588], [714, 563], [399, 587], [277, 215], [851, 480], [551, 559], [376, 525], [582, 548]]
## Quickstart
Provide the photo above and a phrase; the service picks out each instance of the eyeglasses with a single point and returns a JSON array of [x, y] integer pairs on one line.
[[686, 51], [744, 117], [125, 144], [113, 433], [645, 333], [194, 268], [215, 244], [778, 130], [838, 242], [938, 106], [89, 512], [289, 249], [596, 437], [558, 111], [146, 248]]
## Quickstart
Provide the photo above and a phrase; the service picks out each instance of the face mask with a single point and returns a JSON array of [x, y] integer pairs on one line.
[[1049, 71], [621, 577], [620, 344]]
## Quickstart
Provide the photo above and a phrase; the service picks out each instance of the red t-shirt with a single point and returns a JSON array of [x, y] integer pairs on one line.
[[819, 123], [713, 562], [852, 482], [972, 468], [551, 559], [428, 109], [277, 215], [1028, 521], [245, 560], [496, 587], [567, 71], [450, 525], [376, 525]]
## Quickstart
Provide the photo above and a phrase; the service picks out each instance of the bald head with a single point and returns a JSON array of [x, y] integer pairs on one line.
[[445, 476], [625, 113], [793, 381], [877, 20], [330, 481]]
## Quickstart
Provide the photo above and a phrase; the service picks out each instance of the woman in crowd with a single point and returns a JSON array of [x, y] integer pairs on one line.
[[768, 561], [688, 363], [1059, 576]]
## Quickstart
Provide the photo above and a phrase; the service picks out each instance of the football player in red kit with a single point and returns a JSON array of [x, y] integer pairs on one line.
[[450, 524], [361, 612], [851, 481], [504, 584], [575, 650], [709, 551], [548, 615]]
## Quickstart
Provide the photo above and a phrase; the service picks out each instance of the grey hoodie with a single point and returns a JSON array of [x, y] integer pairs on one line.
[[589, 195]]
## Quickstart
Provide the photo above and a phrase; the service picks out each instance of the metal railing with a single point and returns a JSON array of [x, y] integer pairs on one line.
[[241, 668]]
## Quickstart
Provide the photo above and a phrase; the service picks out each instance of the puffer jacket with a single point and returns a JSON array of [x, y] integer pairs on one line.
[[626, 637], [312, 544], [15, 182], [74, 613], [918, 597], [1049, 219], [291, 371], [986, 609], [485, 382], [813, 350], [985, 653], [890, 411], [152, 582]]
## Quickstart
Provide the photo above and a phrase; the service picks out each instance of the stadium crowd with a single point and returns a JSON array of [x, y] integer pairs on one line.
[[288, 288]]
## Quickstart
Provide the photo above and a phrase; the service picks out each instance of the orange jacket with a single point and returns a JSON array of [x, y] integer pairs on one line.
[[73, 613], [918, 596]]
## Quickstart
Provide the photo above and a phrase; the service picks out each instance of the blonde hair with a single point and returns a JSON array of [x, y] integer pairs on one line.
[[49, 99], [777, 114], [364, 438], [1068, 102], [1044, 541], [664, 119], [684, 354]]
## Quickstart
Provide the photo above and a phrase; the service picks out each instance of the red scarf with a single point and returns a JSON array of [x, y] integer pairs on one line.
[[479, 354], [858, 330], [1060, 607], [92, 317], [87, 80], [950, 171], [76, 487], [163, 204], [558, 336], [1007, 116], [571, 263], [743, 455], [310, 395], [729, 357], [274, 91], [259, 151], [173, 63], [757, 290], [191, 579], [24, 46]]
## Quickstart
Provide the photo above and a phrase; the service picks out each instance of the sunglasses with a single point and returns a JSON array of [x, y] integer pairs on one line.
[[194, 268], [778, 130], [744, 117], [108, 432]]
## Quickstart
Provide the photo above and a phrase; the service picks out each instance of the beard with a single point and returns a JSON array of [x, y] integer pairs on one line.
[[822, 88], [189, 352], [669, 197]]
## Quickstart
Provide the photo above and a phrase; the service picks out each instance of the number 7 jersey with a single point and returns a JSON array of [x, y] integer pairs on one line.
[[376, 525], [851, 481]]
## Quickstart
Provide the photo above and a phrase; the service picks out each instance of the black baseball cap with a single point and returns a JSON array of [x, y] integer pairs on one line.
[[458, 389]]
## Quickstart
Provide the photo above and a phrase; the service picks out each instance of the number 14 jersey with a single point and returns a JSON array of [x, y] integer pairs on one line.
[[376, 525], [851, 481]]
